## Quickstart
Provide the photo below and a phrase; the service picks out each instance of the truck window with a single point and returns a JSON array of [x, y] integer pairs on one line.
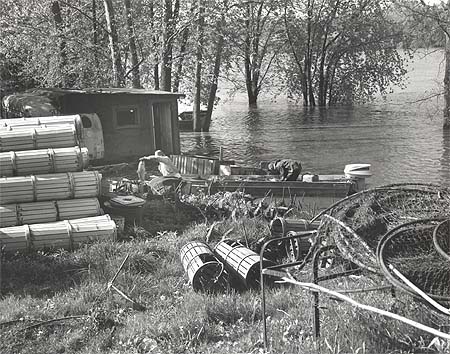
[[86, 122], [126, 116]]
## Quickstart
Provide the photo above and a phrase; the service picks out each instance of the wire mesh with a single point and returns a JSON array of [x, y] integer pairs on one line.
[[409, 248], [357, 223]]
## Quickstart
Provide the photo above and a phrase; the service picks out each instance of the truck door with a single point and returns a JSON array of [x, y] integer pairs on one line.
[[93, 135]]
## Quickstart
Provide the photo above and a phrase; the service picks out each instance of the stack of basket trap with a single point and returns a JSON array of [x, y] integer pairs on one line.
[[229, 265], [47, 200]]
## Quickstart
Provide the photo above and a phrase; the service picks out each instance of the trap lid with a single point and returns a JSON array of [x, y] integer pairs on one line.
[[127, 201]]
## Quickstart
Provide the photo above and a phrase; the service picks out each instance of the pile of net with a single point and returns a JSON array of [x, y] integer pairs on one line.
[[408, 253], [357, 223], [222, 204]]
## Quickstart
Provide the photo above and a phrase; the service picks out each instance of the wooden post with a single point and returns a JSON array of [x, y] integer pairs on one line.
[[220, 153]]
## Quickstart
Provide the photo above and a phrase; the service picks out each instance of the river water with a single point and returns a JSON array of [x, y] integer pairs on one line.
[[400, 136]]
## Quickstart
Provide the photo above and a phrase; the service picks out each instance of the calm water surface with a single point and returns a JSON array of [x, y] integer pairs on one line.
[[401, 138]]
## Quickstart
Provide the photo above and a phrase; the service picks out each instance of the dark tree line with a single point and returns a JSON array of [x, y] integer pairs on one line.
[[322, 52]]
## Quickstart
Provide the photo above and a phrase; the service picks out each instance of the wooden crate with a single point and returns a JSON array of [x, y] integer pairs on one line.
[[196, 165]]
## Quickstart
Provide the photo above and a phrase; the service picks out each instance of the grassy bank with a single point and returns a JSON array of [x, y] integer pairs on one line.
[[70, 291]]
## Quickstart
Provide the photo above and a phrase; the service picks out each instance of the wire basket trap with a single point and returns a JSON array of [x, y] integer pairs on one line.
[[241, 262], [357, 223], [409, 249], [204, 270]]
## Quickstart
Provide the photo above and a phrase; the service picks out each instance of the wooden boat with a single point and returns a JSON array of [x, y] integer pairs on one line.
[[334, 186], [223, 176], [186, 122]]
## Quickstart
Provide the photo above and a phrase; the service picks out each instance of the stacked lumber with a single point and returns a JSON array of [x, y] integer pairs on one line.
[[50, 211], [38, 138], [71, 185], [66, 234], [24, 163]]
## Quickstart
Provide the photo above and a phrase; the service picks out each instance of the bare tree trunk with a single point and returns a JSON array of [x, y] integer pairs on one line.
[[136, 79], [155, 51], [308, 60], [170, 16], [59, 25], [183, 47], [198, 68], [117, 68], [446, 124], [216, 71], [252, 92], [177, 76], [95, 37]]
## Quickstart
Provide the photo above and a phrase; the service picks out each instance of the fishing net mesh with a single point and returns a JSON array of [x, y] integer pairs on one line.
[[410, 250], [357, 223]]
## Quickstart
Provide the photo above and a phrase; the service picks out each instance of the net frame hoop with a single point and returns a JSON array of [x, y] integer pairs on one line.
[[436, 240], [385, 267]]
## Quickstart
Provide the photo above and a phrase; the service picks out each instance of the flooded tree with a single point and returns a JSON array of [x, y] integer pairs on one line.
[[198, 67], [255, 42], [214, 81], [343, 51], [430, 26]]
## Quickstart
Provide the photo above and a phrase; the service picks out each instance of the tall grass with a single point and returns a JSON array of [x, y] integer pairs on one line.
[[56, 284]]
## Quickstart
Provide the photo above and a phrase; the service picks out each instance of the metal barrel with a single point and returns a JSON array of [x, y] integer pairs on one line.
[[280, 226], [204, 270]]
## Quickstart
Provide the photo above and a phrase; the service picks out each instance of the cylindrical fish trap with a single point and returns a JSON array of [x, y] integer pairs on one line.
[[51, 211], [22, 163], [241, 261], [50, 187], [204, 270], [297, 247], [279, 227], [39, 122], [67, 234], [38, 138]]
